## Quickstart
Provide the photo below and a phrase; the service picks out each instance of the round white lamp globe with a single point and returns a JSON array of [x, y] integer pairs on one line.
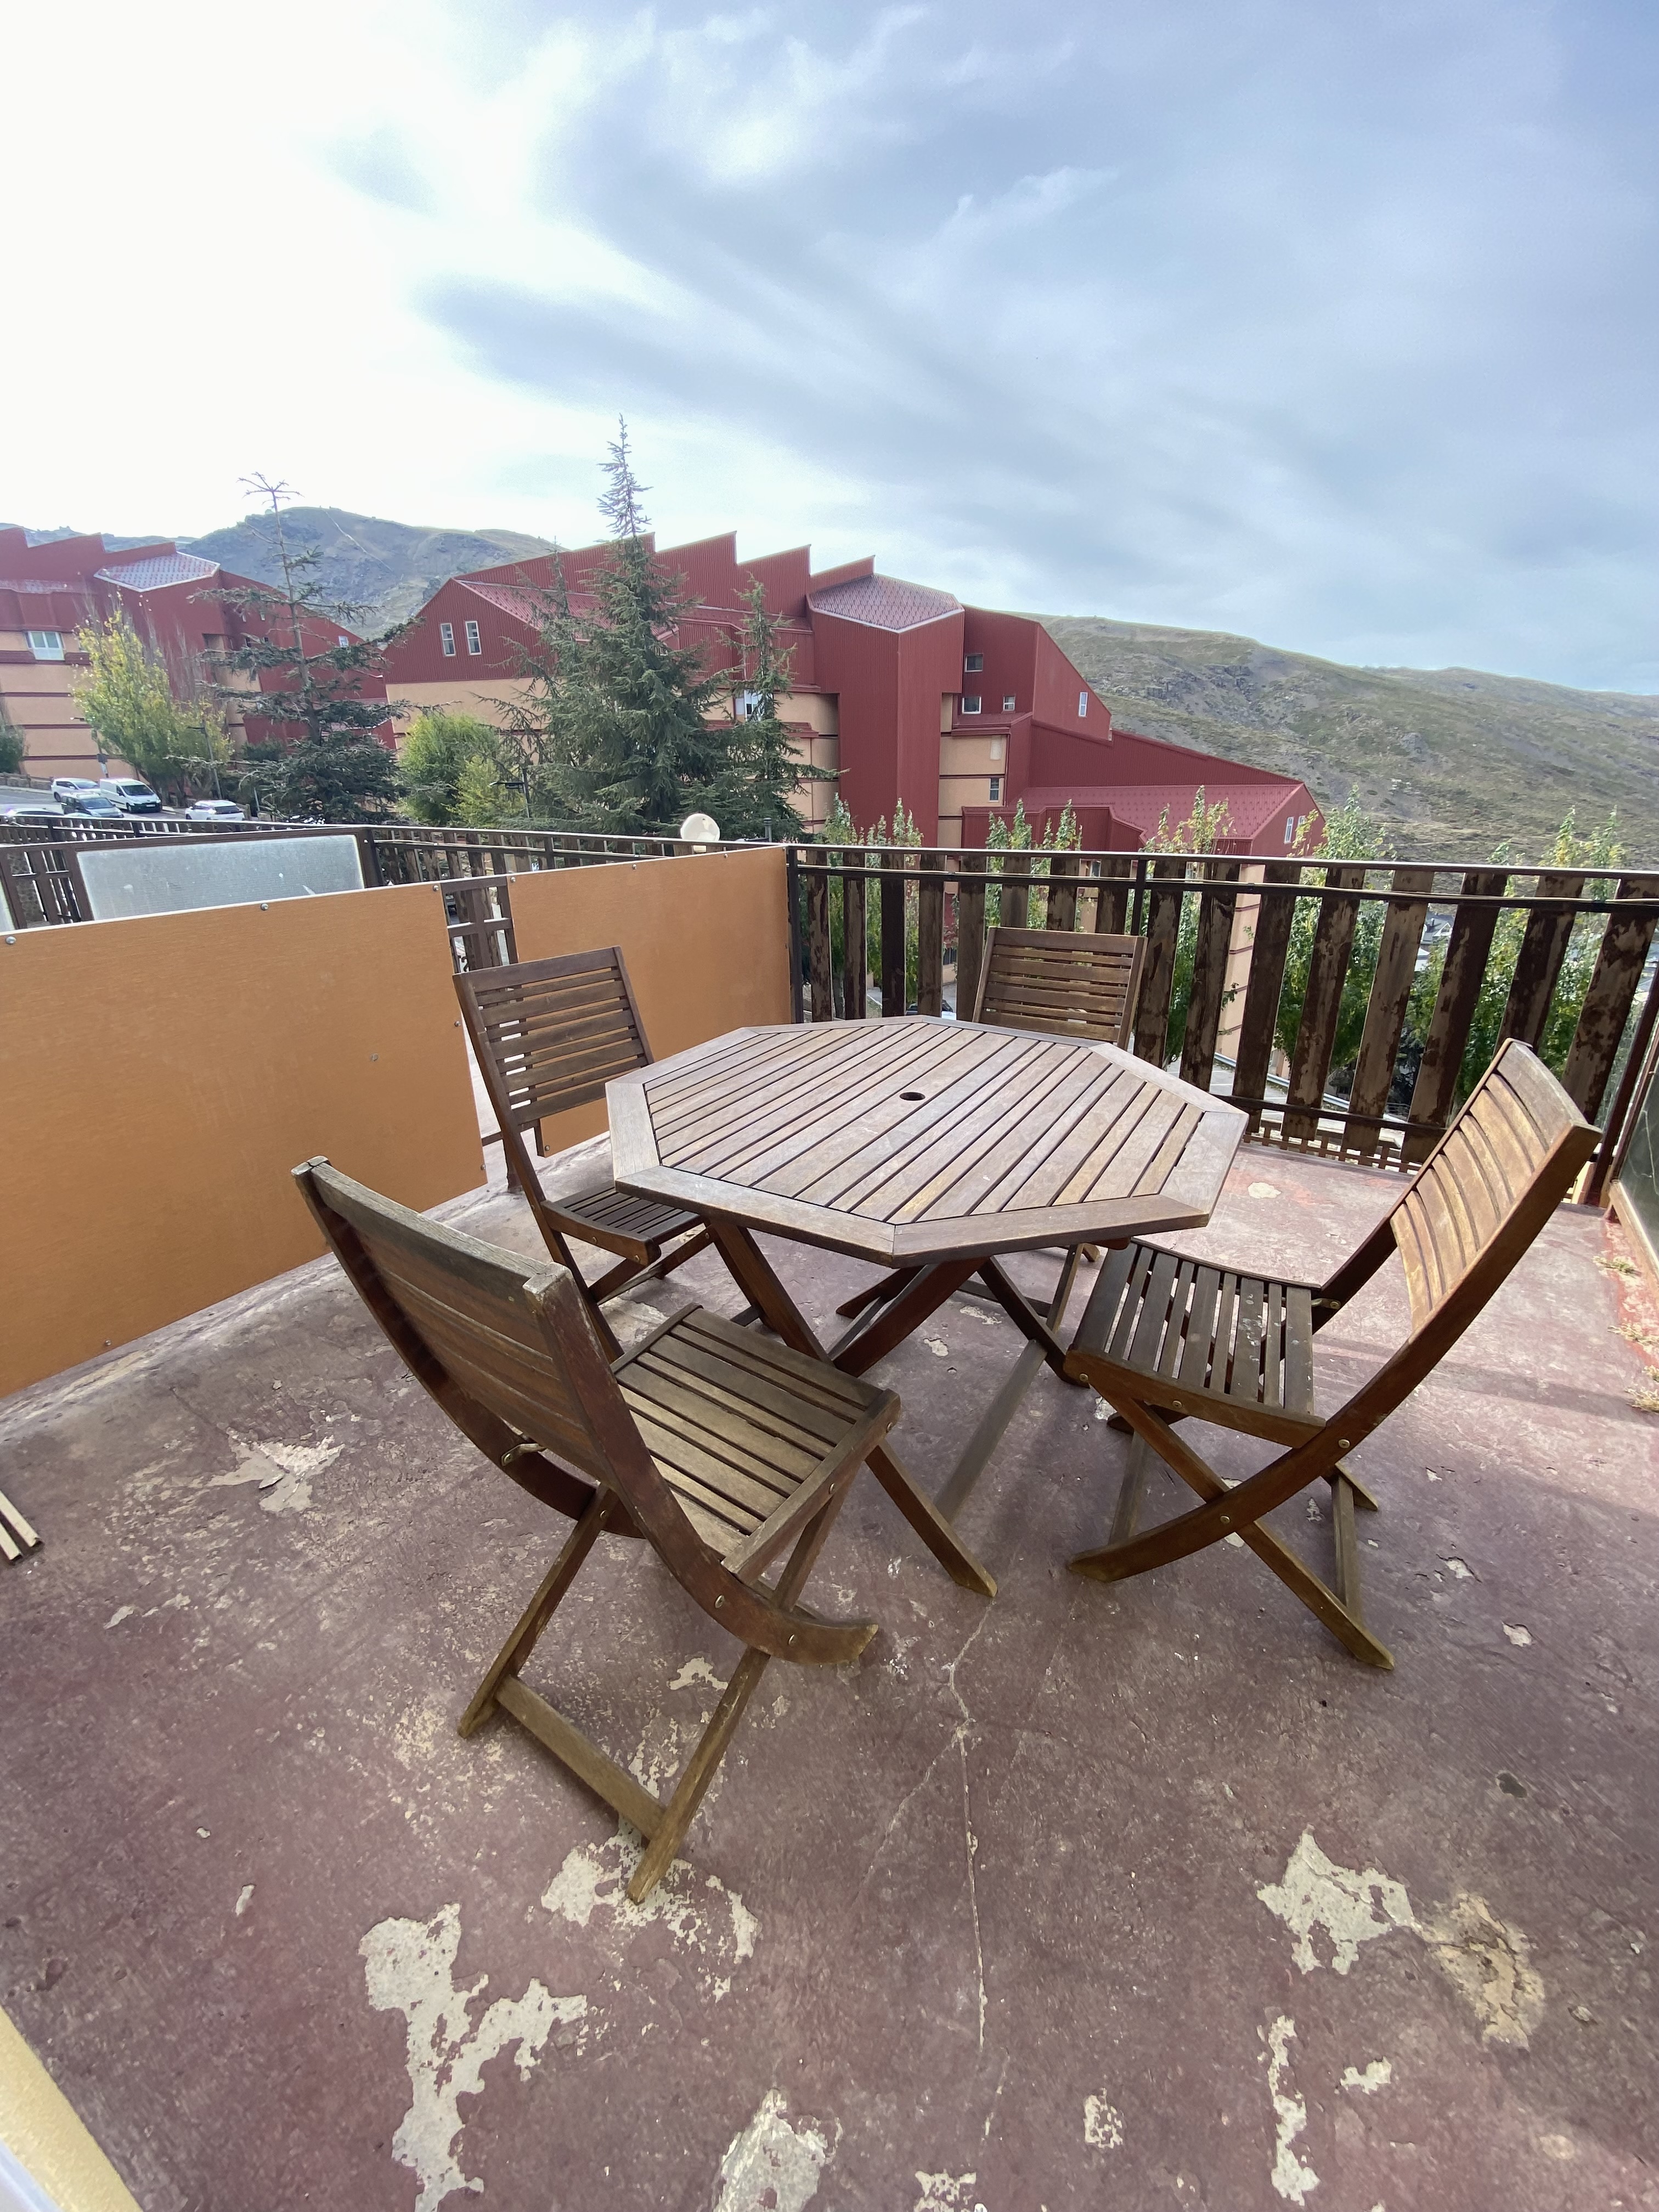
[[700, 830]]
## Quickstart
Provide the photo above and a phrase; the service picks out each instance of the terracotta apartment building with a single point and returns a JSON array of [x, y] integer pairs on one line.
[[49, 591], [897, 688]]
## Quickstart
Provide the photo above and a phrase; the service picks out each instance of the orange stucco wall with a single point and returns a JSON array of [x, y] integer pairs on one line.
[[160, 1077], [705, 938]]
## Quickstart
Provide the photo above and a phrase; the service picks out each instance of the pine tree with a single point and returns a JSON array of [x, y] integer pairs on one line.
[[327, 764], [754, 796], [620, 711]]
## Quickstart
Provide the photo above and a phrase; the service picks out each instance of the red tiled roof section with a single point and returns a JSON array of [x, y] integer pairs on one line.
[[161, 569], [885, 603], [1249, 806]]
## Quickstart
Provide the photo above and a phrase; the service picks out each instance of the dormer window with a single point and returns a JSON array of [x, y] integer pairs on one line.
[[46, 644], [971, 702], [1008, 702], [974, 664]]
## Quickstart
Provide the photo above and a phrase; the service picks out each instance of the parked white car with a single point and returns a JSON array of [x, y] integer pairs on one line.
[[214, 810], [66, 788]]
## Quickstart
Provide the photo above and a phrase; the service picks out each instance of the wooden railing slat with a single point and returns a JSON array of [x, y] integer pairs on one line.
[[821, 997], [930, 935], [1112, 898], [1015, 903], [1601, 1018], [970, 932], [892, 936], [1435, 1092], [1215, 932], [1385, 1011], [1538, 966], [1268, 950], [1322, 1007], [1062, 895], [855, 951], [1156, 977]]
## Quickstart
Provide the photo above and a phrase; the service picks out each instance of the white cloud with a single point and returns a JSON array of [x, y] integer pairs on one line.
[[1333, 326]]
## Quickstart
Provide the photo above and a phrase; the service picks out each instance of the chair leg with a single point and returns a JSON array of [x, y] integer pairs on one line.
[[1347, 1545], [1131, 1493], [512, 1655], [1117, 1560], [704, 1762]]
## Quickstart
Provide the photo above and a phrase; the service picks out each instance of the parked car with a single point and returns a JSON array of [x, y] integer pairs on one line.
[[96, 804], [214, 810], [37, 809], [131, 794], [66, 787]]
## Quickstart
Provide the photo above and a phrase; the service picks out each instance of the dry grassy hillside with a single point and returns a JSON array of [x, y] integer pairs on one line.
[[1452, 762]]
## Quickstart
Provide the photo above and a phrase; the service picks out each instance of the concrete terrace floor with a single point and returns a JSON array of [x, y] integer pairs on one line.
[[1090, 1897]]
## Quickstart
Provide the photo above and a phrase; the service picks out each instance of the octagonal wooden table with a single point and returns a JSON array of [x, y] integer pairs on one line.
[[930, 1146]]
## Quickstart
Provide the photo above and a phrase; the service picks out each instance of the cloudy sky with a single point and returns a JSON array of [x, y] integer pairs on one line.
[[1330, 321]]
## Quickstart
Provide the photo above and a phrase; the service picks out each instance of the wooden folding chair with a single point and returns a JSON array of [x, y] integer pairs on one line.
[[1062, 982], [721, 1449], [1166, 1339], [548, 1035]]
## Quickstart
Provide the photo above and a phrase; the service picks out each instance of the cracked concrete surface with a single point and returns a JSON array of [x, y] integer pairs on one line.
[[1011, 1913]]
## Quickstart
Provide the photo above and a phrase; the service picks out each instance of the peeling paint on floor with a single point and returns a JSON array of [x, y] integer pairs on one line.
[[594, 1878], [283, 1472], [1103, 2124], [1292, 2176], [1488, 1964], [772, 2164], [1351, 1908], [948, 2193], [1376, 2075], [409, 1967]]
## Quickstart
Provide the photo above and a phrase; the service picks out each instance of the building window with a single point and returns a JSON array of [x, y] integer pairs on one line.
[[474, 642], [996, 789], [749, 705], [970, 703], [1290, 828], [343, 639], [46, 644], [1008, 702], [974, 663], [1082, 704], [446, 639]]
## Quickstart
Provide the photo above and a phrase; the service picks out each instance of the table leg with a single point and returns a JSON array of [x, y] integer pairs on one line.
[[756, 1277], [994, 1427], [917, 1297]]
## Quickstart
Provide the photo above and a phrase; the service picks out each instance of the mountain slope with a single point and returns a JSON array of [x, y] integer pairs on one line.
[[1449, 759], [389, 568]]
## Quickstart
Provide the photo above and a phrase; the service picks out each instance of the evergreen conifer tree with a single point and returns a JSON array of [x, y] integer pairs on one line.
[[327, 764], [617, 710]]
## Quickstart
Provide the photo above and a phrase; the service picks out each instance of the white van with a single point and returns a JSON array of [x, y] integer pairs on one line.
[[131, 796]]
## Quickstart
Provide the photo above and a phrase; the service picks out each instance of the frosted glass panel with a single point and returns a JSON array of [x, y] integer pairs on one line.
[[169, 875]]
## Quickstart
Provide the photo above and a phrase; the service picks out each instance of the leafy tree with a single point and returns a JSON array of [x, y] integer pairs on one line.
[[11, 744], [480, 801], [327, 762], [753, 795], [126, 699], [619, 715], [436, 754]]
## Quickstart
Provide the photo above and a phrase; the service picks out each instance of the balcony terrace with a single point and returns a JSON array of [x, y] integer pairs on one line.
[[1139, 1894]]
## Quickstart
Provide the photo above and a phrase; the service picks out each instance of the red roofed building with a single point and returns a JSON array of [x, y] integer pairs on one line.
[[897, 688], [49, 591]]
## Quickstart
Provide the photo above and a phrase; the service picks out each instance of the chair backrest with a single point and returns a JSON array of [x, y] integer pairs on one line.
[[551, 1033], [1488, 1186], [1061, 982], [506, 1345]]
